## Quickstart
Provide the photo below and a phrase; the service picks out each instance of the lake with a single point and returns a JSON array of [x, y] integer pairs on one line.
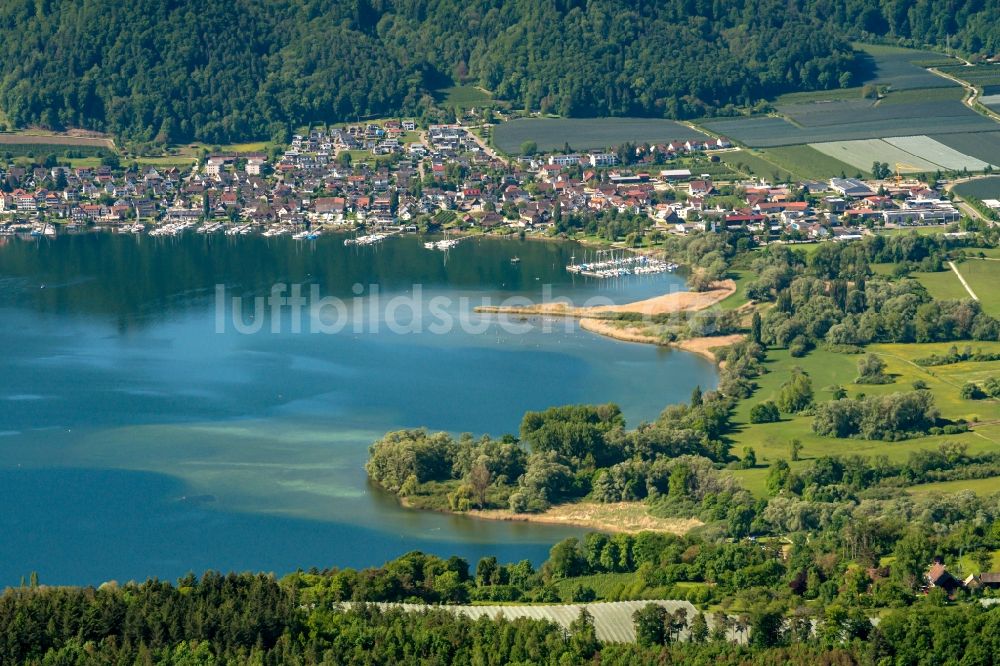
[[144, 432]]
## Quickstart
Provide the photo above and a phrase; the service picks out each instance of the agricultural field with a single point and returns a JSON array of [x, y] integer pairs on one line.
[[701, 165], [819, 96], [982, 76], [922, 96], [807, 162], [937, 153], [913, 154], [60, 150], [986, 486], [63, 141], [983, 145], [894, 106], [918, 102], [252, 147], [164, 161], [771, 131], [588, 133], [902, 68], [605, 585], [980, 188], [40, 144], [863, 153], [788, 162], [750, 164]]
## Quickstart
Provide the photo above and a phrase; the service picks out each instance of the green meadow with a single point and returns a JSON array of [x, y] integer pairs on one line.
[[751, 164], [827, 369], [464, 97], [807, 162], [943, 286], [983, 275]]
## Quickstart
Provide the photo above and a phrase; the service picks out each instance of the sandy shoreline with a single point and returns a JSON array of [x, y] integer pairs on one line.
[[592, 318], [628, 332], [680, 301], [627, 517]]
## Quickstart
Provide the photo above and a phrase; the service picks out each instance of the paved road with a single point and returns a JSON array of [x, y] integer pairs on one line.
[[485, 146], [970, 211]]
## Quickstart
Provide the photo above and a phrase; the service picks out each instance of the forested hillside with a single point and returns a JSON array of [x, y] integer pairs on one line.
[[182, 70]]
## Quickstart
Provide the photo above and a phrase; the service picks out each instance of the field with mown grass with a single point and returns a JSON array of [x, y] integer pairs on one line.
[[983, 275], [979, 486], [739, 297], [751, 164], [943, 286]]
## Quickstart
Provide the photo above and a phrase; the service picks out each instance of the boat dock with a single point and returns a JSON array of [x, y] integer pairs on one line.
[[608, 265], [445, 244], [370, 239]]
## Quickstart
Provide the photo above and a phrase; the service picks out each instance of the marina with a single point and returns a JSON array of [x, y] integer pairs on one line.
[[171, 229], [601, 264], [607, 264]]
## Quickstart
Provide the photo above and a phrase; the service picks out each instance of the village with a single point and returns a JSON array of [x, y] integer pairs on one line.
[[389, 177]]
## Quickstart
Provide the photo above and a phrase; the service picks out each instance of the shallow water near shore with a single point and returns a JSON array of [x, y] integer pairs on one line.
[[136, 440]]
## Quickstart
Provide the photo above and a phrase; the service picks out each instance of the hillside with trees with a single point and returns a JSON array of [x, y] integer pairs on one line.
[[257, 619], [181, 70], [177, 71]]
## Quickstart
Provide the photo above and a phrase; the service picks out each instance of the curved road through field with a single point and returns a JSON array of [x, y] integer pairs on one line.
[[962, 205], [972, 94]]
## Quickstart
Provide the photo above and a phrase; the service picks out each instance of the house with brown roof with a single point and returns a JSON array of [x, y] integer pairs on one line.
[[938, 576]]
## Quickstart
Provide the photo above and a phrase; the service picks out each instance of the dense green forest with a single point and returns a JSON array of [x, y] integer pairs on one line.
[[224, 71], [257, 619], [180, 70]]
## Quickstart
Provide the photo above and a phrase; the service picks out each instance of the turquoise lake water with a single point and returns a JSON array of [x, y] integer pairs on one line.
[[138, 440]]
